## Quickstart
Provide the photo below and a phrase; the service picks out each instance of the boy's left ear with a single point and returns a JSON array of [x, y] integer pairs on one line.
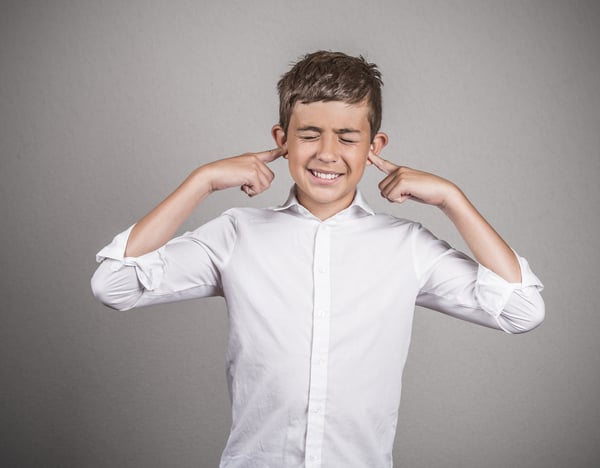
[[380, 140], [279, 136]]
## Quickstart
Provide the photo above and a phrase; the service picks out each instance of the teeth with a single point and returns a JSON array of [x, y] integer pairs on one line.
[[322, 175]]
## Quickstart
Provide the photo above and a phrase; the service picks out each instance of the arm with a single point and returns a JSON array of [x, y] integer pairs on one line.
[[488, 248], [248, 171], [144, 266], [502, 292]]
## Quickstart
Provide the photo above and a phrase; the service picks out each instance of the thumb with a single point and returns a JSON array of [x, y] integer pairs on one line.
[[382, 164], [271, 155]]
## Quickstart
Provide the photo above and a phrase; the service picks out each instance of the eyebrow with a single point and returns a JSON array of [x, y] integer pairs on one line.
[[310, 128]]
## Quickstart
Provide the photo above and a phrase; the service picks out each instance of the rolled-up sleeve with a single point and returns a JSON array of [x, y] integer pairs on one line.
[[187, 267], [517, 307], [453, 283]]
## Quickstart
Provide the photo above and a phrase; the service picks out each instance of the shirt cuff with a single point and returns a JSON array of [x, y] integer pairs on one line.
[[149, 267], [493, 292]]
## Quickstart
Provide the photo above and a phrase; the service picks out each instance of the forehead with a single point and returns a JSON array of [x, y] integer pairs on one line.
[[334, 114]]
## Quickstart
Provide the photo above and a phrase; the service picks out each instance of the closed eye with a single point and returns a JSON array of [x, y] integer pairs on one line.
[[347, 140], [308, 137]]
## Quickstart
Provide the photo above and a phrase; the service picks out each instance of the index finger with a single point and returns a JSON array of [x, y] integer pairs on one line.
[[382, 164], [271, 155]]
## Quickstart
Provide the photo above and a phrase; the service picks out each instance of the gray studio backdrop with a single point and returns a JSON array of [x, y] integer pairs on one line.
[[105, 106]]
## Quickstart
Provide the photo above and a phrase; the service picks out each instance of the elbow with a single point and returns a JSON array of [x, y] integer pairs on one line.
[[99, 290], [535, 320], [109, 294], [540, 314], [103, 294], [533, 314]]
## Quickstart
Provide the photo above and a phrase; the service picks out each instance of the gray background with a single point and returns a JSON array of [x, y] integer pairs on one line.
[[105, 106]]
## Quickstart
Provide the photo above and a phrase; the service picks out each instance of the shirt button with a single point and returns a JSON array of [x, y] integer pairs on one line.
[[316, 410], [322, 269]]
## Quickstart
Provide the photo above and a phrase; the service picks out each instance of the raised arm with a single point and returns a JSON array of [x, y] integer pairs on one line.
[[248, 171], [502, 292], [488, 248], [144, 265]]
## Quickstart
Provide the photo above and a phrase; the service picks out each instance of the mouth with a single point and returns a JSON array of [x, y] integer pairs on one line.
[[325, 176]]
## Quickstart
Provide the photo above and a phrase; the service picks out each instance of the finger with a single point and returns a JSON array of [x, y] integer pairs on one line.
[[399, 178], [248, 190], [385, 186], [383, 165], [397, 195], [391, 188], [264, 179], [259, 181], [271, 155], [394, 188]]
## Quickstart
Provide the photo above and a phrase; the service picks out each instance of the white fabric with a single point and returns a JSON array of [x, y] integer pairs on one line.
[[320, 320]]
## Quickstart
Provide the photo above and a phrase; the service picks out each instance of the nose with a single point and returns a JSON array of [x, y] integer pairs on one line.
[[327, 149]]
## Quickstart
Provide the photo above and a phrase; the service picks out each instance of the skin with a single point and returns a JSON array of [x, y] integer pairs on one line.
[[326, 138], [248, 171], [488, 248]]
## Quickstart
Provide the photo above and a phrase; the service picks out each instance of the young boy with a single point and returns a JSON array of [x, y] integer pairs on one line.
[[320, 290]]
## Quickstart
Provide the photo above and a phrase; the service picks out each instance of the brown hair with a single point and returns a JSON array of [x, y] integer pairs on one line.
[[331, 76]]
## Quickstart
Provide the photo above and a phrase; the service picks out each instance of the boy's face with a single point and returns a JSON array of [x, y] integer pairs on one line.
[[328, 145]]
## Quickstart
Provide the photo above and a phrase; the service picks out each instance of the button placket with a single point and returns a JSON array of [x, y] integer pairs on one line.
[[320, 346]]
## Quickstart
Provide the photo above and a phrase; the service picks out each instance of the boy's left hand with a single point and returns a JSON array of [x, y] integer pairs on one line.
[[403, 183], [488, 248]]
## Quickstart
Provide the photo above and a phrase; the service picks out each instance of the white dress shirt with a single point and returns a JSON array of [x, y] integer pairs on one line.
[[320, 317]]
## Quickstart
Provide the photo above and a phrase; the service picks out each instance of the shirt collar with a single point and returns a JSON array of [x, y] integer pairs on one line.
[[359, 206]]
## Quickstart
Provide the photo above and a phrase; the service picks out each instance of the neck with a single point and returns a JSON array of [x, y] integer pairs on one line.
[[324, 210]]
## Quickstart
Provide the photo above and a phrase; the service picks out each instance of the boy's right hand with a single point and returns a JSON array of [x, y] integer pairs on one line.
[[248, 171]]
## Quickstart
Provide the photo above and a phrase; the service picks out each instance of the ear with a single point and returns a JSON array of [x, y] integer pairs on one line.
[[279, 136], [380, 140]]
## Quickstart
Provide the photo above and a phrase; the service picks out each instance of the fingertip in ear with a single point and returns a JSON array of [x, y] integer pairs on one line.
[[285, 150]]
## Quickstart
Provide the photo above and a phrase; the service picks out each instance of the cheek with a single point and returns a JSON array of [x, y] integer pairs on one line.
[[298, 154], [295, 163], [359, 159]]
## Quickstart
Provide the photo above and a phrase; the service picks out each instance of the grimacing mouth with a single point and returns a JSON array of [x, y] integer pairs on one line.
[[326, 175]]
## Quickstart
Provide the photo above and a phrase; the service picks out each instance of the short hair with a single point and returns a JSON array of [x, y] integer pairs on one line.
[[331, 76]]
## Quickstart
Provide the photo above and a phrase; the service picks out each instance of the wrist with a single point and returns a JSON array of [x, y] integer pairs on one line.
[[454, 200], [201, 180]]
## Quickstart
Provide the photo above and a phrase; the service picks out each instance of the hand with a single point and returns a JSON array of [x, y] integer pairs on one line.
[[489, 249], [404, 183], [248, 171]]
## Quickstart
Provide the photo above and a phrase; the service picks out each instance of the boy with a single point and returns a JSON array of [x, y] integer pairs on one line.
[[320, 290]]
